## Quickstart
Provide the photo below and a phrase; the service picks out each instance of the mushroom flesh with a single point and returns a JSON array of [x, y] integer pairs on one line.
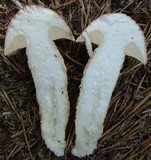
[[116, 35], [35, 28]]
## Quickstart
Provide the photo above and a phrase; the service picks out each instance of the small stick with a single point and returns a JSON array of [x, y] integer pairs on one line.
[[25, 136], [69, 2], [66, 4], [17, 3]]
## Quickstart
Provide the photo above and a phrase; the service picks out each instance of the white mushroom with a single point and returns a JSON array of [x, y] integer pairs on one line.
[[118, 35], [35, 27]]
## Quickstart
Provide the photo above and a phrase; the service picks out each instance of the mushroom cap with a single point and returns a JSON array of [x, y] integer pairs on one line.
[[117, 25], [23, 24]]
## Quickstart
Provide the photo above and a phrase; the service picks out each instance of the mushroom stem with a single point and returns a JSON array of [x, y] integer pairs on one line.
[[50, 82], [94, 99]]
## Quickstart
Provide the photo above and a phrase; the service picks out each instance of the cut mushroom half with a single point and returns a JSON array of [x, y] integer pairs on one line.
[[35, 28], [118, 35]]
